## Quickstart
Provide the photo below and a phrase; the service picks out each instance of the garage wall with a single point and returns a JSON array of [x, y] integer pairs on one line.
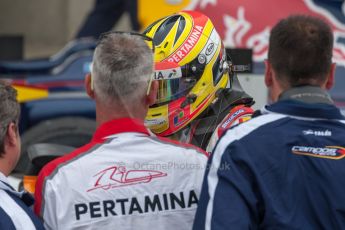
[[47, 25]]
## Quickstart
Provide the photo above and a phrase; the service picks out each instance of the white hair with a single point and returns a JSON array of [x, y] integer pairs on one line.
[[122, 67]]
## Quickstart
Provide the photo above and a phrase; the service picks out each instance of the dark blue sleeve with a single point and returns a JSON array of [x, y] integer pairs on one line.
[[230, 197], [35, 220], [5, 221]]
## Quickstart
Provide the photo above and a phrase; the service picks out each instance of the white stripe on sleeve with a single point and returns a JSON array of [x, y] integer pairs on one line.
[[20, 218]]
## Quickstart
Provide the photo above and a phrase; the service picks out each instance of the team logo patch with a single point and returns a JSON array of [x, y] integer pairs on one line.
[[118, 176], [329, 152]]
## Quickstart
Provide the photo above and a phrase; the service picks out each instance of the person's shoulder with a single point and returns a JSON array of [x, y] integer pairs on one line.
[[236, 115], [178, 146], [251, 135], [260, 123], [57, 163], [16, 209]]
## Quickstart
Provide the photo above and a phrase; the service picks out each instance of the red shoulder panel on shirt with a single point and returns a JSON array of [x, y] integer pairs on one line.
[[48, 169]]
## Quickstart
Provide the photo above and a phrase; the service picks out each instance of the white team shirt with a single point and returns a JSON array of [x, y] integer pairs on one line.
[[125, 178]]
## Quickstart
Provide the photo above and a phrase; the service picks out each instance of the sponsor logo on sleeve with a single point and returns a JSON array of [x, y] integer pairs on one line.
[[231, 118]]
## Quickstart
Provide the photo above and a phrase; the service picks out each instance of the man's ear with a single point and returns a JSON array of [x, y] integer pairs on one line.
[[330, 79], [152, 95], [12, 135], [89, 86], [268, 74]]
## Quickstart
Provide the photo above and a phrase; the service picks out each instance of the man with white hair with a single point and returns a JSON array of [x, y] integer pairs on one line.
[[125, 177]]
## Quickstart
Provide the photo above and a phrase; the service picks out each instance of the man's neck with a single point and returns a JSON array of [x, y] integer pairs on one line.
[[108, 112], [307, 94], [101, 120], [4, 167], [103, 116]]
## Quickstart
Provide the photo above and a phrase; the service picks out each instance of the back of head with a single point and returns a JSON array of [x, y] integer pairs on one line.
[[122, 68], [9, 111], [300, 50]]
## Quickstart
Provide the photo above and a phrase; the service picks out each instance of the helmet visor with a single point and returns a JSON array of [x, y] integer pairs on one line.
[[173, 82]]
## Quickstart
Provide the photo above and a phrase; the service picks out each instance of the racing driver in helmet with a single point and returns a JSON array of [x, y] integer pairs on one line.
[[199, 95]]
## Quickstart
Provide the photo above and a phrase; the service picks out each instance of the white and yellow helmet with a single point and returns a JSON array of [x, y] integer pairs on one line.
[[191, 67]]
